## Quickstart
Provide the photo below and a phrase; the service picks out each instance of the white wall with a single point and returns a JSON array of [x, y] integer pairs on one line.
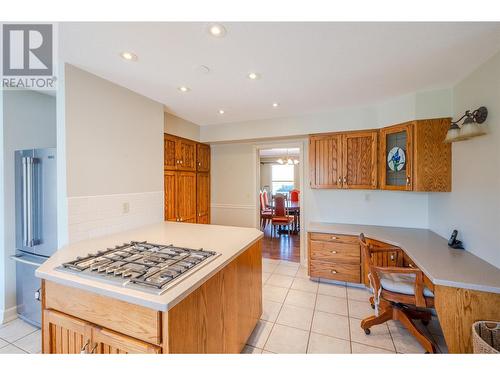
[[182, 128], [473, 206], [114, 156], [29, 121], [233, 165]]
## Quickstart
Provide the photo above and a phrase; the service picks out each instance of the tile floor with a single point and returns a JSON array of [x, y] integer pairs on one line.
[[304, 316], [300, 316]]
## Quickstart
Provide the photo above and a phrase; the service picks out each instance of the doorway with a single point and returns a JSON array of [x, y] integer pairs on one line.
[[279, 176]]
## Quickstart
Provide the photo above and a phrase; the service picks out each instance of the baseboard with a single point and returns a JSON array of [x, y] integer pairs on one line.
[[8, 315]]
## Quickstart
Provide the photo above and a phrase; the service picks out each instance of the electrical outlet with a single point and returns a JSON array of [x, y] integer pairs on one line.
[[126, 208]]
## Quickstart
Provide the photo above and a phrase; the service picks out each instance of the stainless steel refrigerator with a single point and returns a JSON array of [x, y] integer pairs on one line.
[[36, 225]]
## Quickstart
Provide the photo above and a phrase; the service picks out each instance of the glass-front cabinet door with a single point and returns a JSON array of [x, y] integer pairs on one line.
[[396, 154]]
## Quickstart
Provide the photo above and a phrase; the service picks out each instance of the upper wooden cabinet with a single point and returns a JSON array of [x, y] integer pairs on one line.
[[179, 153], [414, 157], [343, 160], [359, 160], [325, 161], [411, 156], [202, 157]]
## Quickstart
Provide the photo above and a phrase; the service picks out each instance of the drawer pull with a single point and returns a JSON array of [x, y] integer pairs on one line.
[[333, 271], [335, 238], [334, 251]]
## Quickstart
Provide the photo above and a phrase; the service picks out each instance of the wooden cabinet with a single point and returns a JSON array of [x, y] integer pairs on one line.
[[203, 198], [359, 166], [335, 257], [414, 157], [325, 161], [109, 342], [202, 157], [179, 153], [343, 160], [186, 180]]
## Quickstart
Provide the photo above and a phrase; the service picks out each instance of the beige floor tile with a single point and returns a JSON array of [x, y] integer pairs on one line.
[[271, 310], [274, 293], [379, 336], [280, 280], [331, 325], [291, 264], [300, 299], [330, 304], [332, 290], [296, 317], [365, 349], [269, 267], [251, 350], [358, 294], [11, 349], [16, 329], [305, 285], [260, 334], [3, 343], [284, 339], [31, 343], [360, 310], [302, 273], [265, 276], [403, 340], [286, 270], [267, 352], [270, 261], [327, 345]]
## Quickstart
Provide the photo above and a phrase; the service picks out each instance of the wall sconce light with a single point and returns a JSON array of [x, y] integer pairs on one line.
[[469, 128]]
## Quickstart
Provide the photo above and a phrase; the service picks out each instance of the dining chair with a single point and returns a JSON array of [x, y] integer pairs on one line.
[[294, 195], [266, 199], [280, 216], [399, 293], [265, 213]]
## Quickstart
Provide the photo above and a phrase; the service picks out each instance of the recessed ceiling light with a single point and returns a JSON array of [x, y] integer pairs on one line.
[[129, 56], [183, 89], [276, 104], [221, 111], [253, 75], [217, 30]]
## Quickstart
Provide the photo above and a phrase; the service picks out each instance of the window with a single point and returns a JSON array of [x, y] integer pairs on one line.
[[282, 178]]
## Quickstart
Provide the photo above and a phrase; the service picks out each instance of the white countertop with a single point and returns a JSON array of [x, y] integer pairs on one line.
[[430, 252], [228, 241]]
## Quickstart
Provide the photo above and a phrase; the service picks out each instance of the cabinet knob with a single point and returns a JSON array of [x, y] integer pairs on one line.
[[334, 252], [83, 350], [340, 180], [408, 180], [180, 161], [333, 271], [334, 237], [93, 349], [345, 179]]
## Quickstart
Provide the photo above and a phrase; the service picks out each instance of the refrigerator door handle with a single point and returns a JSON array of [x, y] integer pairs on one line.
[[21, 259], [26, 208]]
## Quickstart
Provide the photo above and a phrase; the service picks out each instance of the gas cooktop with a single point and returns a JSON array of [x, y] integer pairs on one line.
[[141, 265]]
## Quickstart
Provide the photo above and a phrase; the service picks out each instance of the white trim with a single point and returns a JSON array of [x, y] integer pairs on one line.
[[115, 195], [233, 206], [8, 315]]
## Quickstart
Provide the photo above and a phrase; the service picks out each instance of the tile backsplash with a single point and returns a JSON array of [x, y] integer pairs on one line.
[[94, 216]]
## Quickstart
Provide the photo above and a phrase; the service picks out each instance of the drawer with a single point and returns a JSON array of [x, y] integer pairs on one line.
[[333, 238], [335, 271], [334, 251]]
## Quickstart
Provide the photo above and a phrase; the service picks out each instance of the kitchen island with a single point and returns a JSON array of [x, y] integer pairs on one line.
[[214, 309]]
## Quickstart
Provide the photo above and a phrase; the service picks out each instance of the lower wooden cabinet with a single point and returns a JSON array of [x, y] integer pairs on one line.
[[180, 196], [203, 198], [334, 257]]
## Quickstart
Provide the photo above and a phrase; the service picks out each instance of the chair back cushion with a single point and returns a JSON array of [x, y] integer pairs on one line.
[[261, 198], [294, 195], [279, 205], [266, 198]]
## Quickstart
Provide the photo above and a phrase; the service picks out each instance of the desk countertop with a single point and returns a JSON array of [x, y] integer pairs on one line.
[[430, 252]]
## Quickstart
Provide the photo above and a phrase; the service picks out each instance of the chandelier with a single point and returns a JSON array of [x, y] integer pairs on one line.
[[288, 160]]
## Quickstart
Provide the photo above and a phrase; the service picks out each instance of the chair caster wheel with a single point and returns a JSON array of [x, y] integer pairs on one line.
[[373, 306], [425, 322], [367, 331]]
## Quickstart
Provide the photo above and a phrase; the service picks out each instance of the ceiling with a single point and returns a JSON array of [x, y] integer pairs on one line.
[[305, 67], [279, 152]]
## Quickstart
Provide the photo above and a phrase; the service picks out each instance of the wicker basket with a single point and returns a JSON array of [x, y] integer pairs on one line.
[[486, 337]]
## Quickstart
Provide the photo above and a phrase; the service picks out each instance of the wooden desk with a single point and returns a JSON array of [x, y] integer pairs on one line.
[[466, 288]]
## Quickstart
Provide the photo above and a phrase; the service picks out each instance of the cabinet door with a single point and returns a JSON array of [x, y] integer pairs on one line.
[[169, 186], [202, 157], [360, 160], [203, 198], [186, 197], [169, 152], [63, 334], [186, 154], [325, 161], [396, 157], [109, 342]]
